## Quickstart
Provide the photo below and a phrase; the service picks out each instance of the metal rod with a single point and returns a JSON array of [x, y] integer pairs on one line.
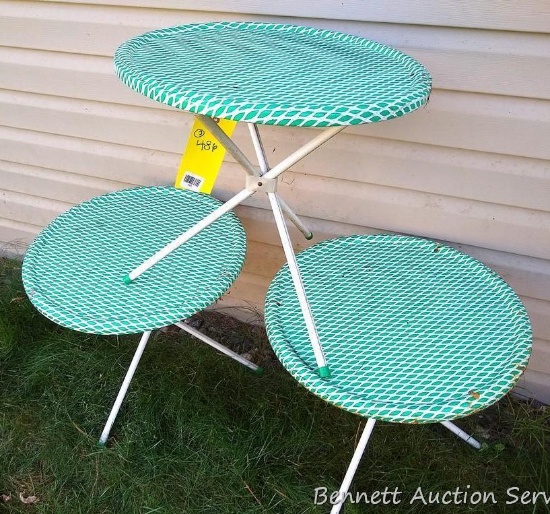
[[353, 465], [199, 335], [201, 225], [233, 202], [299, 286], [229, 145], [302, 152], [297, 222], [463, 435], [124, 388], [258, 147], [264, 167]]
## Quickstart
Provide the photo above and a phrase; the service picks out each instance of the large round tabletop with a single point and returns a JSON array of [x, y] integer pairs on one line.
[[274, 74]]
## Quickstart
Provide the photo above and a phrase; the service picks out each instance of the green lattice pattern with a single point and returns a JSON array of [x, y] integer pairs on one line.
[[73, 270], [413, 331], [274, 74]]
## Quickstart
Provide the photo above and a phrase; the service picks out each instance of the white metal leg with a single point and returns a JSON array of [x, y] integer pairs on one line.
[[239, 156], [229, 145], [258, 147], [124, 387], [297, 222], [264, 168], [199, 335], [201, 225], [298, 284], [463, 435], [233, 202], [302, 152], [353, 465]]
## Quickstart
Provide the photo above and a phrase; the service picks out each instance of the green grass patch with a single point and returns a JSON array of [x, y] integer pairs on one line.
[[199, 433]]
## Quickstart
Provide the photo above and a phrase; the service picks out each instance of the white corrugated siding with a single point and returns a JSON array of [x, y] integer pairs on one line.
[[473, 168]]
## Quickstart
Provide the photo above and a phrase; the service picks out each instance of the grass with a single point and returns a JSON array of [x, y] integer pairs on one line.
[[200, 434]]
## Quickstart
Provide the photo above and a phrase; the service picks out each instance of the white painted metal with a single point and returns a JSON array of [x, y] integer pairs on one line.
[[214, 344], [258, 147], [297, 280], [264, 167], [176, 243], [302, 152], [262, 185], [252, 170], [352, 468], [236, 200], [229, 145], [293, 217], [463, 435], [124, 387]]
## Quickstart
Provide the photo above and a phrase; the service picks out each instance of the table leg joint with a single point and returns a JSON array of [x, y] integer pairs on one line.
[[266, 185]]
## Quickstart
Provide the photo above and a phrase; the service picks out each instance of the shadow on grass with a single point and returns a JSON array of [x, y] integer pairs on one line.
[[200, 434]]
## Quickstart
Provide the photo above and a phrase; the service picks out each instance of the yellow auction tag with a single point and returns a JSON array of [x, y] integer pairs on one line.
[[202, 159]]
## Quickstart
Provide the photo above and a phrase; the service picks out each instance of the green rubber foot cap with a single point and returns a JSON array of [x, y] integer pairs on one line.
[[126, 279], [309, 237], [101, 445], [324, 372], [259, 371]]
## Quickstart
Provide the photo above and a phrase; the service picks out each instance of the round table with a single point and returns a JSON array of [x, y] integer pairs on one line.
[[273, 74], [73, 270], [414, 331]]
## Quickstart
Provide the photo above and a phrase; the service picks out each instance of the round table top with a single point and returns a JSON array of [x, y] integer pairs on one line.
[[412, 330], [273, 74], [73, 270]]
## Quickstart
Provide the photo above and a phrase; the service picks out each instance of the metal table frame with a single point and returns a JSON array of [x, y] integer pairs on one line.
[[263, 179]]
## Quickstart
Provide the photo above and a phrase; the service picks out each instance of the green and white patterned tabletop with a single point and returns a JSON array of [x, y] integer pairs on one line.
[[413, 331], [274, 74], [73, 270]]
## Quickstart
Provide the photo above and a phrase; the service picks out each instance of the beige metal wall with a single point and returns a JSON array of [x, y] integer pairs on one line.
[[473, 168]]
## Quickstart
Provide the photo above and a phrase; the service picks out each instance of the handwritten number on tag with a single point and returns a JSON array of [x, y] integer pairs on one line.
[[207, 145]]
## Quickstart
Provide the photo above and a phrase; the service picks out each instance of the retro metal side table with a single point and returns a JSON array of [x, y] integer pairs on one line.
[[431, 334], [71, 272]]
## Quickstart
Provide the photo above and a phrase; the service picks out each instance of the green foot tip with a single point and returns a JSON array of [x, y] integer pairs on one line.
[[324, 372], [126, 279]]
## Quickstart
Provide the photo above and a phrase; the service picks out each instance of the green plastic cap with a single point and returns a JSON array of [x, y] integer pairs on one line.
[[126, 279], [324, 372]]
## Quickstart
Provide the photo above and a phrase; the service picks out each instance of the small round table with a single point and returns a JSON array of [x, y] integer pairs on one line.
[[72, 271], [414, 331]]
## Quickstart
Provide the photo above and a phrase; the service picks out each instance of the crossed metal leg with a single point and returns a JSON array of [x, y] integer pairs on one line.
[[360, 449], [124, 388], [264, 179], [135, 361], [259, 179]]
